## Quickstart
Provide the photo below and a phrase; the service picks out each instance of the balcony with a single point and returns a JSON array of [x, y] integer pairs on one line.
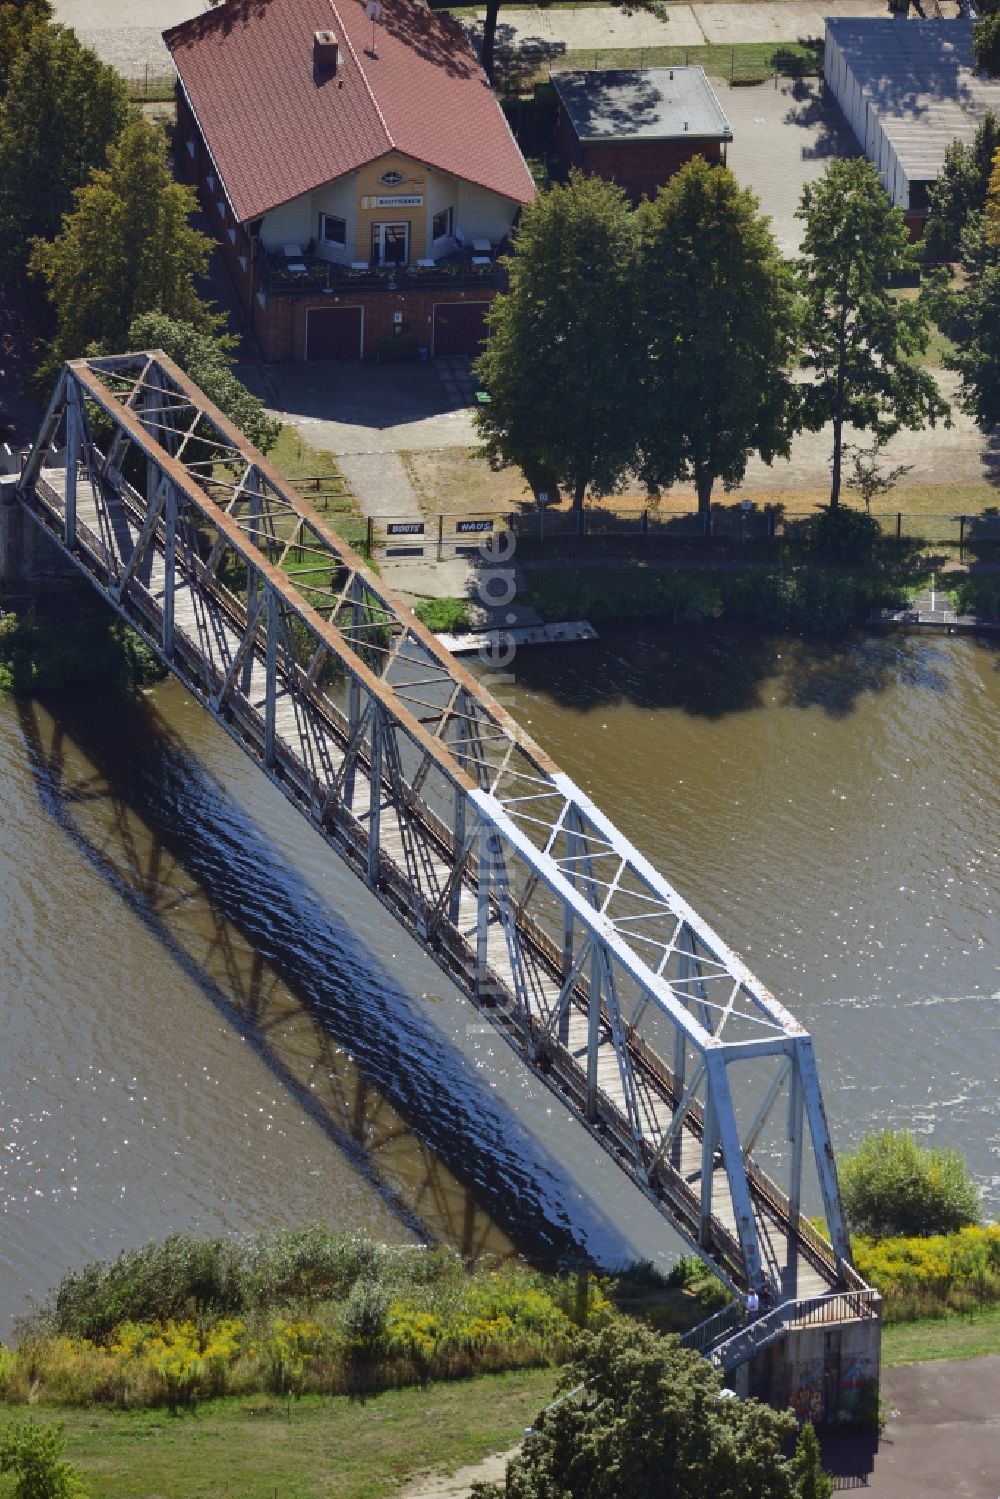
[[307, 274]]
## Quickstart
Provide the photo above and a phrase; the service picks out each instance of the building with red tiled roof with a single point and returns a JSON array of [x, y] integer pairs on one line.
[[357, 170]]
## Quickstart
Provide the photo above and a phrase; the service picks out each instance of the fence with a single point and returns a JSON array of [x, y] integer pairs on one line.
[[147, 85], [732, 523]]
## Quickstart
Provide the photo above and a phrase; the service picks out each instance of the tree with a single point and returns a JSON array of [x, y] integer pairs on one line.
[[968, 311], [18, 18], [891, 1185], [559, 362], [810, 1480], [860, 342], [208, 360], [868, 476], [32, 1453], [960, 189], [63, 109], [649, 1422], [986, 37], [719, 317], [127, 248]]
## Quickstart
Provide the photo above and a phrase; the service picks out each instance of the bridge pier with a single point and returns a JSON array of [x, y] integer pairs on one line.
[[29, 558], [825, 1372]]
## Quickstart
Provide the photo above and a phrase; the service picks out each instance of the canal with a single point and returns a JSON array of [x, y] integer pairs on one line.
[[209, 1025]]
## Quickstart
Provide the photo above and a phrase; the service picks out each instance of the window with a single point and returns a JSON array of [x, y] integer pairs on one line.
[[441, 225], [333, 231]]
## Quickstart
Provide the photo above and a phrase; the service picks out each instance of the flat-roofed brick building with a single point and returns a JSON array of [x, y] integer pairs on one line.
[[637, 126]]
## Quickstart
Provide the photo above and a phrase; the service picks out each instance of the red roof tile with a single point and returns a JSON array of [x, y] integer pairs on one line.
[[276, 129]]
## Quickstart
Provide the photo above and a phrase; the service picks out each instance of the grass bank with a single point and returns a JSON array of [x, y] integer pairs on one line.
[[317, 476], [959, 1335], [259, 1448], [301, 1312]]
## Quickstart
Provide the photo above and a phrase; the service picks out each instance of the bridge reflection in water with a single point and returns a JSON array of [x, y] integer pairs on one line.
[[197, 885]]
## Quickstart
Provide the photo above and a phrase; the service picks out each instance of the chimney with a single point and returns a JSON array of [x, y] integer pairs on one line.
[[326, 51]]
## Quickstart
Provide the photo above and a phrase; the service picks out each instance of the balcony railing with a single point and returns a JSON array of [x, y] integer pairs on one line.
[[311, 274]]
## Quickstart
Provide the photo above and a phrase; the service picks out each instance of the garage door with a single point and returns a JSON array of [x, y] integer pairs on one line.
[[333, 333], [459, 327]]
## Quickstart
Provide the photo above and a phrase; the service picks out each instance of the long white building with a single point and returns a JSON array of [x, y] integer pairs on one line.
[[907, 89]]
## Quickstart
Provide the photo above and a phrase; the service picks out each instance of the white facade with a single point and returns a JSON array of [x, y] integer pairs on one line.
[[476, 213]]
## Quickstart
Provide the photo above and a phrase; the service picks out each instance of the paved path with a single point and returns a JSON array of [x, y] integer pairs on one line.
[[126, 33]]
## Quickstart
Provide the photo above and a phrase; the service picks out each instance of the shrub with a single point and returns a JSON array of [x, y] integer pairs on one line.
[[978, 593], [843, 535], [444, 616], [33, 1454], [891, 1185], [926, 1277]]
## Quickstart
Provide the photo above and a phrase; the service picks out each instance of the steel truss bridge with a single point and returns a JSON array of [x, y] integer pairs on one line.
[[650, 1030]]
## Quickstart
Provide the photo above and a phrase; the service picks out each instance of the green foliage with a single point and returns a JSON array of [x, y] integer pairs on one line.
[[18, 19], [922, 1276], [33, 1454], [891, 1185], [960, 190], [207, 358], [977, 593], [810, 1480], [718, 331], [444, 616], [860, 343], [841, 535], [968, 311], [558, 361], [191, 1319], [51, 652], [127, 248], [694, 1275], [648, 1422], [986, 37], [809, 598], [63, 110]]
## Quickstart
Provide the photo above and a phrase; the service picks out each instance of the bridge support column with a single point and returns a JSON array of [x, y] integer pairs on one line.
[[28, 557]]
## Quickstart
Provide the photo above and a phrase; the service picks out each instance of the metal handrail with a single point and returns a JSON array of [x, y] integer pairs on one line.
[[706, 1334], [809, 1311]]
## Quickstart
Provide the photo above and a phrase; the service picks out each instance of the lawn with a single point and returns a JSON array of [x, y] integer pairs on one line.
[[458, 481], [263, 1448], [742, 62], [326, 488], [942, 1337]]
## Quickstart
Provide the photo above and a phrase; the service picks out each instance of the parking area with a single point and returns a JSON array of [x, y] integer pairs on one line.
[[783, 138]]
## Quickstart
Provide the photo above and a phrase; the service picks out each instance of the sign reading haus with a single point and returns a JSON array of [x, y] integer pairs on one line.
[[358, 198]]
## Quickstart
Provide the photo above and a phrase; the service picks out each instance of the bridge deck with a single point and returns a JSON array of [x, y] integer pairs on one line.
[[205, 627]]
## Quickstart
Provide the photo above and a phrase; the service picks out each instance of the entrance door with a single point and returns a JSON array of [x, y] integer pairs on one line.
[[390, 244]]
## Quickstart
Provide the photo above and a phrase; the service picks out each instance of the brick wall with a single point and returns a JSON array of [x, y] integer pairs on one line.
[[281, 325], [641, 167]]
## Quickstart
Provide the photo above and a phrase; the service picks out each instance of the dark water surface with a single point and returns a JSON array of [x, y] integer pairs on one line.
[[209, 1024]]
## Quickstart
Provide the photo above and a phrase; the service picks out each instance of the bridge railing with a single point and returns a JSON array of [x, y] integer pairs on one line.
[[813, 1311]]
